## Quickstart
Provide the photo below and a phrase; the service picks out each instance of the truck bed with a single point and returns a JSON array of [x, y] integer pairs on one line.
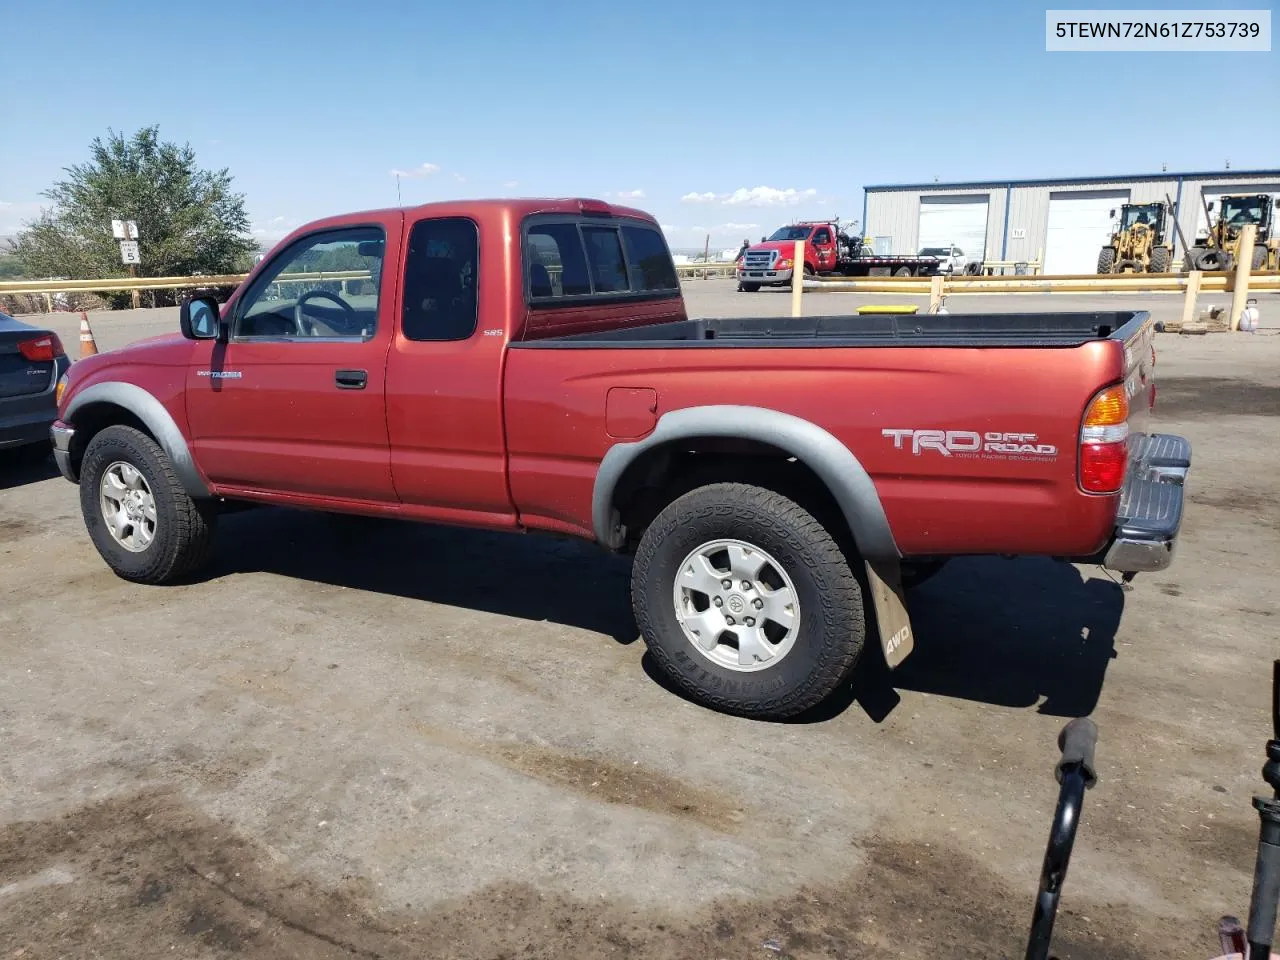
[[870, 330]]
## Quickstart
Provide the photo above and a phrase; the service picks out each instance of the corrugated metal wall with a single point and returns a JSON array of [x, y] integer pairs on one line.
[[895, 212]]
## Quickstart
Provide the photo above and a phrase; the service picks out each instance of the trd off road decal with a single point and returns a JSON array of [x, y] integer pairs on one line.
[[971, 445]]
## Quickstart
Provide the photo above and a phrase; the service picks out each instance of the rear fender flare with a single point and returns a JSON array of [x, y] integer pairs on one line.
[[152, 413], [831, 460]]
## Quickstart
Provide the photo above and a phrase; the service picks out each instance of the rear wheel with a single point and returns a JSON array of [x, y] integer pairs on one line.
[[747, 602], [1107, 260], [1259, 257], [902, 272], [1161, 260], [138, 515], [748, 287]]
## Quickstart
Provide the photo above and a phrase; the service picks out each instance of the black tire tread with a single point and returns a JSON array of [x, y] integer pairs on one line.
[[185, 537], [1106, 260], [1161, 260], [828, 564]]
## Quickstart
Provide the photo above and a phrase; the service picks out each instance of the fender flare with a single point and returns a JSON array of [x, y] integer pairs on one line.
[[831, 460], [155, 417]]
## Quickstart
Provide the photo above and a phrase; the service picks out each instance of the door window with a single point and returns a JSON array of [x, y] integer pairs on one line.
[[822, 236], [323, 287], [440, 275]]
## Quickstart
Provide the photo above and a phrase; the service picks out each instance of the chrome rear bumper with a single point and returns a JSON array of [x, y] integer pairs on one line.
[[1150, 512]]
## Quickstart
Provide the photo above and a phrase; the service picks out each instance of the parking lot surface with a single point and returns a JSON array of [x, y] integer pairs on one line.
[[361, 738]]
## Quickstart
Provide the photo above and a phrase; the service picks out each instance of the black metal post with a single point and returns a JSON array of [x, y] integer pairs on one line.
[[1266, 872]]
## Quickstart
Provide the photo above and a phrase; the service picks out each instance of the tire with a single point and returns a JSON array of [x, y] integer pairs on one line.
[[804, 664], [1106, 259], [1259, 257], [181, 529], [902, 272], [1210, 259], [809, 272], [1161, 260], [749, 287]]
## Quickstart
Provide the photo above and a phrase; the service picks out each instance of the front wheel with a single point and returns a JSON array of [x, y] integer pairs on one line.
[[748, 287], [747, 602], [138, 515], [1161, 260]]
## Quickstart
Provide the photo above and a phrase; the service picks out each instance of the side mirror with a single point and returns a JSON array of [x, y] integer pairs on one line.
[[1211, 206], [1278, 203], [199, 318], [1112, 213]]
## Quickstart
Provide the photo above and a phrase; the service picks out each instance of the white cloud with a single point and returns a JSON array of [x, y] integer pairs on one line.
[[510, 184], [768, 197], [754, 197], [460, 178], [426, 170], [630, 195]]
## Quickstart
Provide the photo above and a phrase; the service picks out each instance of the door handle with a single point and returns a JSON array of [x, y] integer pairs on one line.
[[351, 379]]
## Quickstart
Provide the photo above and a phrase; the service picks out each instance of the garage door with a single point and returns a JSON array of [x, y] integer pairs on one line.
[[954, 221], [1079, 224], [1214, 195]]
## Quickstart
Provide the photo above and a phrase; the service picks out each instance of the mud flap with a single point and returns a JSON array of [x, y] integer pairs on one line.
[[896, 639]]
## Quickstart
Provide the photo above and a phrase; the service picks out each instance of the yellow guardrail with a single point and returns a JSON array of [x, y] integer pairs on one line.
[[126, 284], [1074, 283]]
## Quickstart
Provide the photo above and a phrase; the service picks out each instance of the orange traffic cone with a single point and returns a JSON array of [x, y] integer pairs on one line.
[[88, 345]]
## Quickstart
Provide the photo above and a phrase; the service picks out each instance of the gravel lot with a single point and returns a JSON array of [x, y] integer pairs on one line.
[[378, 740]]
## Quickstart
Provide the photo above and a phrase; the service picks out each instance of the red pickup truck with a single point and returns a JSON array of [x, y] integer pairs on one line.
[[528, 365], [827, 250]]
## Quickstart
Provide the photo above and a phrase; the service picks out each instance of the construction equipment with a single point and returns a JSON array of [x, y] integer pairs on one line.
[[1220, 249], [1139, 246]]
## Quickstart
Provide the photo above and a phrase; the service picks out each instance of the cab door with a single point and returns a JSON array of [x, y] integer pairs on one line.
[[294, 404], [824, 249]]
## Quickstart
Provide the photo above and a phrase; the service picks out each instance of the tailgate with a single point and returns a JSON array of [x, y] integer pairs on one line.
[[20, 377], [1140, 384]]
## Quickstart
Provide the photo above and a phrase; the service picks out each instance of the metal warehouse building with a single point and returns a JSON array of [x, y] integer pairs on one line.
[[1062, 223]]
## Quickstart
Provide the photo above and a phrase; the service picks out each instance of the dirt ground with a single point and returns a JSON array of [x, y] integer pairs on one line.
[[364, 739]]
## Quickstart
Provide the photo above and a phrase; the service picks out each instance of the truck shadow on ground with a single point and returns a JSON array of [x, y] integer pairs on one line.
[[1014, 633], [516, 575], [19, 468]]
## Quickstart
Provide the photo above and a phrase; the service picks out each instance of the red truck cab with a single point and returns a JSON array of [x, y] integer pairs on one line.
[[528, 365], [772, 261]]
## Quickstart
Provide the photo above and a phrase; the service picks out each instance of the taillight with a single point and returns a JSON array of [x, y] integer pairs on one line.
[[1104, 436], [41, 349]]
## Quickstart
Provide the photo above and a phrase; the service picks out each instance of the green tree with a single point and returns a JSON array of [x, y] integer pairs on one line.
[[189, 219]]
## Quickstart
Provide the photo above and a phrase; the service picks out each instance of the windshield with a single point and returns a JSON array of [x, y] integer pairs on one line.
[[791, 233], [1241, 210], [936, 252], [1149, 215]]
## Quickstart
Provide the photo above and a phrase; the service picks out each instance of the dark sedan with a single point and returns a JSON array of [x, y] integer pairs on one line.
[[31, 362]]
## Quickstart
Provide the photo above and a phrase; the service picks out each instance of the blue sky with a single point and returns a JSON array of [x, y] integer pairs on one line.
[[312, 105]]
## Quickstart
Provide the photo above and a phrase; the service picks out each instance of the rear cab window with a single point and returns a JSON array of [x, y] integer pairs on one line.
[[570, 260]]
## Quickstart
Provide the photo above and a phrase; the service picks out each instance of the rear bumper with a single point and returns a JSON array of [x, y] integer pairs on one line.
[[62, 436], [1150, 511], [25, 419]]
